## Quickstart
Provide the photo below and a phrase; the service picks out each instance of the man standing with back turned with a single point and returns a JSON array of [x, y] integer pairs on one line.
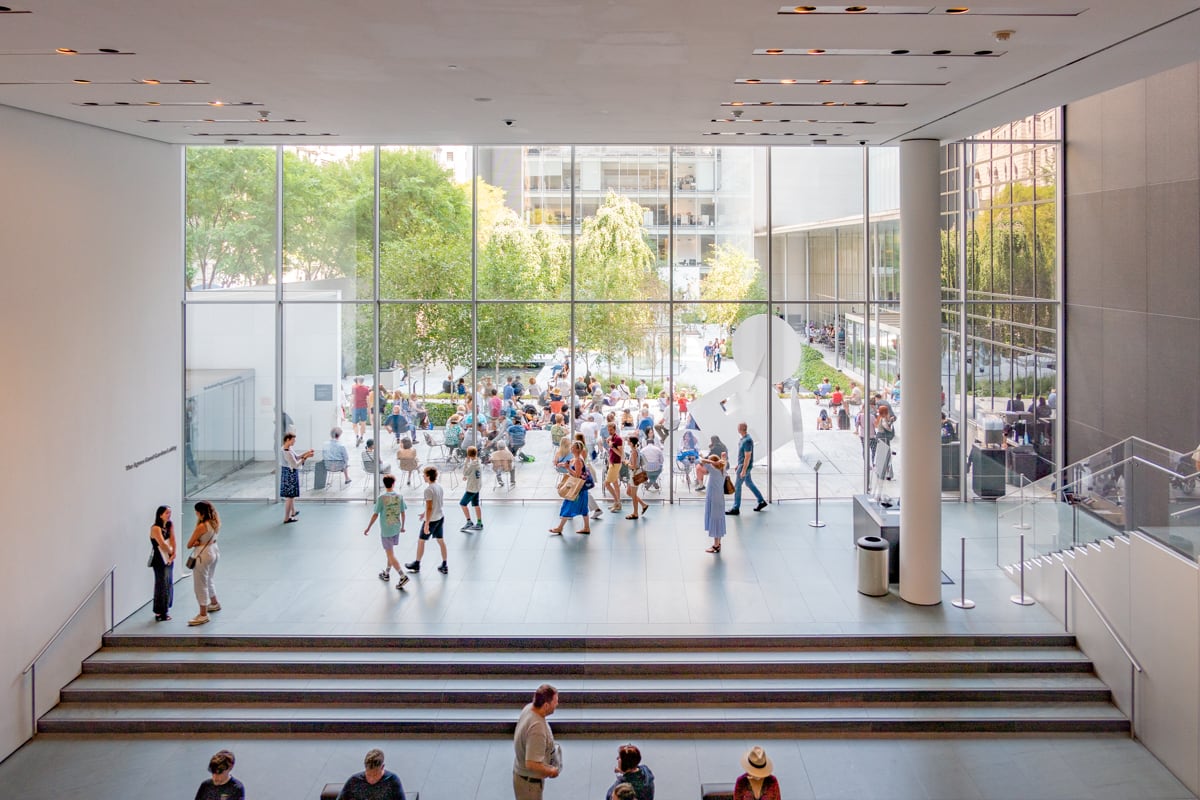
[[745, 463], [537, 756]]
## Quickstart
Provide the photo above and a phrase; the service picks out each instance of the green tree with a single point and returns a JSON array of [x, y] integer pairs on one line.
[[614, 260], [732, 276], [230, 216], [320, 207]]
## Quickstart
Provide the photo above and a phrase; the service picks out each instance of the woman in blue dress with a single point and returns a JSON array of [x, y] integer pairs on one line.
[[714, 499], [579, 506]]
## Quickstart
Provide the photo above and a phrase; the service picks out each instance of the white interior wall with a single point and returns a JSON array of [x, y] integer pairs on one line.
[[90, 252]]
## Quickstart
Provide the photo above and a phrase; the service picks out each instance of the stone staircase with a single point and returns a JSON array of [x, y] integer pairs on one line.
[[643, 686]]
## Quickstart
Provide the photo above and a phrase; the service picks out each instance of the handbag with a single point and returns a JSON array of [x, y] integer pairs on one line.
[[589, 482], [640, 477], [728, 485], [191, 562], [570, 487]]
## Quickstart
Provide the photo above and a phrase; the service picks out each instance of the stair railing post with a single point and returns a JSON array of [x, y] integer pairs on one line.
[[816, 523], [1021, 525], [1022, 599]]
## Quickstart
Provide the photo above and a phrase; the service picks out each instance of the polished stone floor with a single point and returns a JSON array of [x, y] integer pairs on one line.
[[776, 574]]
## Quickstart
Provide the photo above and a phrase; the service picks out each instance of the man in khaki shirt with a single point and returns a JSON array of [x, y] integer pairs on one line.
[[537, 757]]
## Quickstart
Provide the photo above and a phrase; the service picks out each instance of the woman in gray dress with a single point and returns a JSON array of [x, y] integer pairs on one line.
[[714, 500]]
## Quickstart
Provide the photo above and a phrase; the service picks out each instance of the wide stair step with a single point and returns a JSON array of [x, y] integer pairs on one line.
[[635, 686]]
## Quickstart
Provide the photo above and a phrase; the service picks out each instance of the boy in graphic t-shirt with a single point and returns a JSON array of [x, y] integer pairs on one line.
[[390, 511]]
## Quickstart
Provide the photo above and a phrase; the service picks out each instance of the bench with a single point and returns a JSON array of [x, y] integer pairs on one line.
[[331, 790], [716, 791]]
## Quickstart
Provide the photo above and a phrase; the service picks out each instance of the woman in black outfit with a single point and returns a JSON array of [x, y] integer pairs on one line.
[[162, 561]]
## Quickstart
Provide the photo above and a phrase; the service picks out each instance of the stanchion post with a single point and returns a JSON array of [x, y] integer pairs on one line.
[[1022, 525], [1022, 599], [962, 601], [816, 523]]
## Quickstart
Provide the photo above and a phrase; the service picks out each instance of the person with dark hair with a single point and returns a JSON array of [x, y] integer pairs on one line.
[[374, 782], [537, 756], [431, 527], [204, 549], [289, 476], [222, 785], [162, 561], [390, 510], [633, 773]]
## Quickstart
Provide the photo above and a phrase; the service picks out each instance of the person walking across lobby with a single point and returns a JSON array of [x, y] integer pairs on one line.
[[537, 757], [745, 463]]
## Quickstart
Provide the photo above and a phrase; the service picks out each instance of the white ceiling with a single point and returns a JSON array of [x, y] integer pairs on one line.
[[604, 71]]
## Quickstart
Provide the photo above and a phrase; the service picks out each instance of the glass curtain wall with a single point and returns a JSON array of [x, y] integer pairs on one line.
[[434, 298]]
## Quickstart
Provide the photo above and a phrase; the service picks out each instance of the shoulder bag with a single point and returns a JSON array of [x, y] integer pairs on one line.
[[569, 487], [728, 485]]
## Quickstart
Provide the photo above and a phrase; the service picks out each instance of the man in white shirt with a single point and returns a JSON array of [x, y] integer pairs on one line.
[[433, 518]]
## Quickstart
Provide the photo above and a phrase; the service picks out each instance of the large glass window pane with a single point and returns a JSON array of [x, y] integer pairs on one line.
[[230, 223], [817, 203], [425, 223], [621, 235], [824, 373], [523, 227], [229, 401], [328, 222], [320, 363]]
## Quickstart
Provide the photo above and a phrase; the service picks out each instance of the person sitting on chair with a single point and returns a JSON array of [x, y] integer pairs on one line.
[[824, 423], [406, 456], [336, 457], [370, 464]]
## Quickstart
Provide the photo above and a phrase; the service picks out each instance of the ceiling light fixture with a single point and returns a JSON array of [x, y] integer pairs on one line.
[[856, 9], [216, 102], [108, 51], [774, 51], [957, 10], [804, 9], [81, 81], [151, 81], [66, 51]]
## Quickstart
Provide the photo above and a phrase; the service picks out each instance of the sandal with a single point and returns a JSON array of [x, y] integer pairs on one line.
[[631, 516], [716, 548], [556, 531], [585, 531]]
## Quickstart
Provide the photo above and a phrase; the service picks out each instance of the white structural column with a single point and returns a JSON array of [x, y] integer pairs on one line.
[[920, 348]]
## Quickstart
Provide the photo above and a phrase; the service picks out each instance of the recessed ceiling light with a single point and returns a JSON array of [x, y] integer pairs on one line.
[[152, 102], [483, 99], [66, 51], [859, 81], [766, 102], [855, 9], [753, 80], [186, 80], [957, 10], [900, 52], [804, 9], [121, 103], [942, 52], [829, 103], [452, 66], [92, 103], [824, 81], [816, 52], [81, 80], [984, 52], [151, 81], [216, 102], [788, 80], [774, 51], [737, 103], [108, 50]]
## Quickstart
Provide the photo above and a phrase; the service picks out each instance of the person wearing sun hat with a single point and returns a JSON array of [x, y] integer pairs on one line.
[[757, 783]]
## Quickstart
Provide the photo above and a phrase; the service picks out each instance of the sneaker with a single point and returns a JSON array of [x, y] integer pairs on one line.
[[402, 581], [444, 569], [413, 566], [469, 526], [761, 505], [478, 526], [733, 512], [197, 620], [597, 514], [386, 576]]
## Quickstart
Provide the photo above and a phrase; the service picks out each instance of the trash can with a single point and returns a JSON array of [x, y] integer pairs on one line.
[[873, 566]]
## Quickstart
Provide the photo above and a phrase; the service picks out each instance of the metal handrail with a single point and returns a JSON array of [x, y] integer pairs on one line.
[[31, 670], [1135, 667]]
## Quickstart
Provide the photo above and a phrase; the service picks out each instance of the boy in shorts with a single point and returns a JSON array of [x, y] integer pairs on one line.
[[390, 506], [472, 477], [433, 518]]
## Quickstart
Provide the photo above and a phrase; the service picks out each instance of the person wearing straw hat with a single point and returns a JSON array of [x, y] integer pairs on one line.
[[757, 782]]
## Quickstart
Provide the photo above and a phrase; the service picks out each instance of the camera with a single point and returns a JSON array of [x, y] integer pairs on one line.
[[509, 122]]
